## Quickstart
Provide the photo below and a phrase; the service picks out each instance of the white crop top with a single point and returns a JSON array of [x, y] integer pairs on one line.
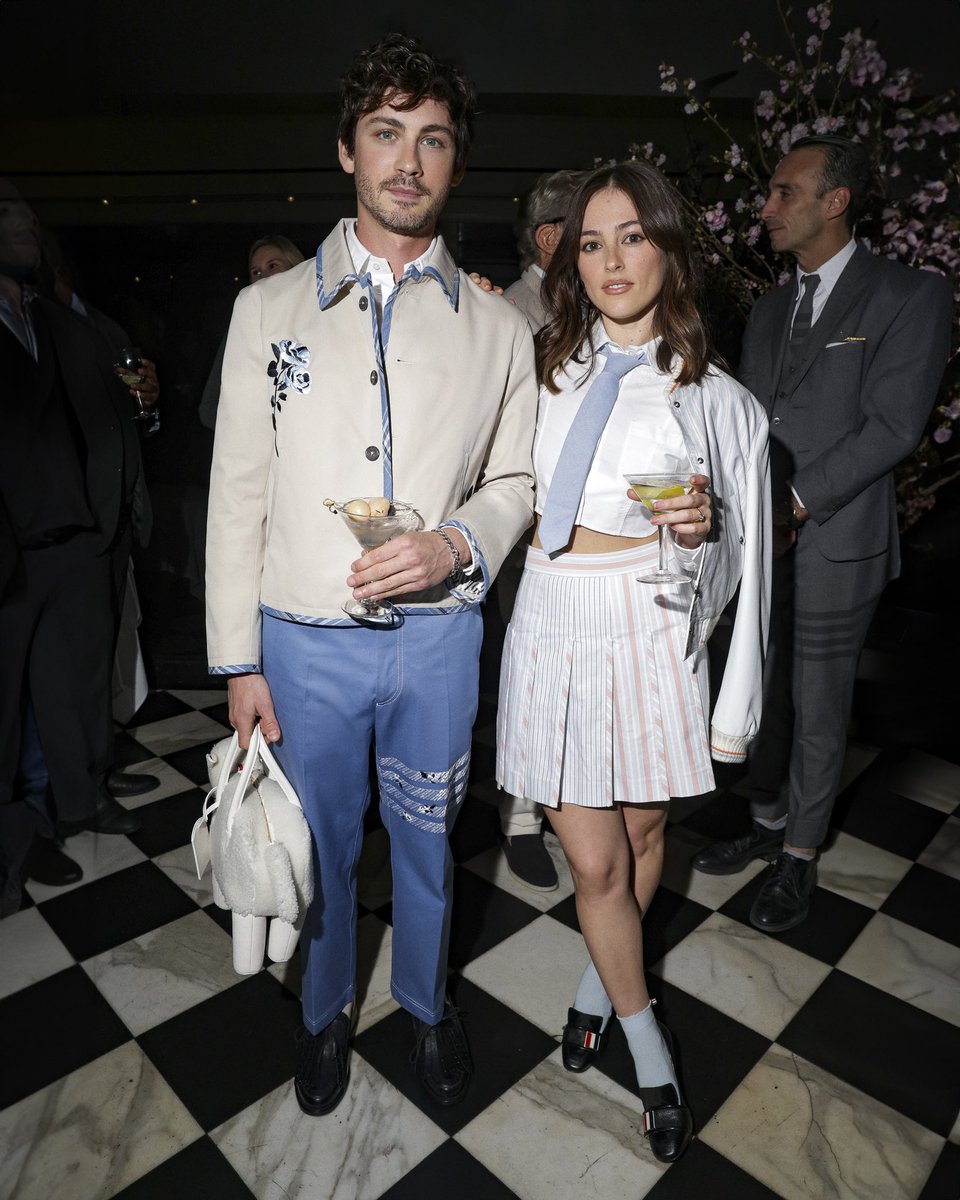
[[641, 435]]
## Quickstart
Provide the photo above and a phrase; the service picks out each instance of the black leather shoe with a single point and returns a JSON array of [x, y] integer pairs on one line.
[[582, 1040], [667, 1122], [529, 862], [120, 783], [727, 858], [784, 899], [108, 817], [441, 1057], [48, 864], [323, 1066]]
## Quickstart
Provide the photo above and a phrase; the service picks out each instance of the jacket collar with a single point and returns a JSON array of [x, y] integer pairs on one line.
[[336, 272]]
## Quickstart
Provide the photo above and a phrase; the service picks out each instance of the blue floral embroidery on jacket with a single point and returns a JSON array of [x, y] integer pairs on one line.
[[288, 370]]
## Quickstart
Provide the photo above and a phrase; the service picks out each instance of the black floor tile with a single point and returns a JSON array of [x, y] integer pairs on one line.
[[231, 1050], [566, 911], [668, 920], [929, 900], [505, 1046], [115, 909], [219, 712], [222, 916], [157, 707], [714, 1053], [944, 1181], [127, 750], [199, 1172], [832, 926], [446, 1173], [167, 823], [476, 830], [883, 1046], [868, 809], [483, 916], [704, 1172], [52, 1028], [192, 761]]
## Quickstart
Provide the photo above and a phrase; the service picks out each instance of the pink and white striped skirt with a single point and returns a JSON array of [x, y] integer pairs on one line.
[[597, 704]]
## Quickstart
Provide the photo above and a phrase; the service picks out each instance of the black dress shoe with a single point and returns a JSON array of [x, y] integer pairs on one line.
[[582, 1040], [323, 1066], [529, 862], [784, 899], [120, 783], [667, 1122], [108, 817], [727, 858], [48, 864], [442, 1057]]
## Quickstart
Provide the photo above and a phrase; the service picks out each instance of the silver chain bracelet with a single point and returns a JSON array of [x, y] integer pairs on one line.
[[455, 571]]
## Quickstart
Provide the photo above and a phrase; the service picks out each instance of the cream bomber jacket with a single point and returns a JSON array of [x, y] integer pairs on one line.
[[308, 410]]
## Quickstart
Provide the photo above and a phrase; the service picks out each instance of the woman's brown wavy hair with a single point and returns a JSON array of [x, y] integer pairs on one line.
[[676, 319]]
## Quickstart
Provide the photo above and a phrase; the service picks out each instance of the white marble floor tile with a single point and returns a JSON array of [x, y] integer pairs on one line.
[[492, 866], [680, 845], [928, 780], [860, 871], [954, 1137], [535, 972], [374, 963], [558, 1136], [357, 1152], [201, 697], [94, 1132], [179, 866], [755, 979], [810, 1136], [172, 783], [98, 854], [909, 964], [943, 852], [29, 951], [164, 972], [176, 733]]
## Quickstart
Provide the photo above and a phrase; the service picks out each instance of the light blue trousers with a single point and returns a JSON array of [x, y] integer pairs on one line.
[[411, 692]]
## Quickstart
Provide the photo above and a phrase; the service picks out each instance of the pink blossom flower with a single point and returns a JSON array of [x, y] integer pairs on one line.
[[952, 410], [943, 433], [819, 15], [813, 44], [766, 105]]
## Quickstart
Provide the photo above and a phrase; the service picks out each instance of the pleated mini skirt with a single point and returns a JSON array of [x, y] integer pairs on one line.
[[597, 704]]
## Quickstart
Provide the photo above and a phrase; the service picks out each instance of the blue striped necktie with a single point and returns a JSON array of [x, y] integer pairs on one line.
[[566, 487]]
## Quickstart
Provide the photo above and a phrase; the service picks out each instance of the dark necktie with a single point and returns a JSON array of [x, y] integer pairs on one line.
[[579, 447], [803, 319]]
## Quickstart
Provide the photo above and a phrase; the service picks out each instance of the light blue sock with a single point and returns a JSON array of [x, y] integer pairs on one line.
[[651, 1057], [591, 996]]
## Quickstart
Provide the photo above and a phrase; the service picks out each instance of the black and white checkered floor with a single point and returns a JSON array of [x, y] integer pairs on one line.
[[821, 1063]]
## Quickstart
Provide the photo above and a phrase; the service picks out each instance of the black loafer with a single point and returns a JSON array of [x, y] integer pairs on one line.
[[667, 1122], [727, 858], [108, 817], [123, 783], [784, 899], [323, 1067], [48, 864], [582, 1040], [442, 1059]]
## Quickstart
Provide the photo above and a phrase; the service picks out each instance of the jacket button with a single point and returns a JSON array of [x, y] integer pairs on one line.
[[781, 395], [363, 303], [372, 453], [700, 461], [775, 421], [374, 377], [676, 404]]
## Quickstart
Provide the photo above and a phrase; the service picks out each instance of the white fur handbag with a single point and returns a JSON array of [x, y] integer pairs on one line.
[[253, 832]]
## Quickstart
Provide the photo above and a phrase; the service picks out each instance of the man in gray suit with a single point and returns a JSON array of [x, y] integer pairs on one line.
[[846, 358], [540, 227]]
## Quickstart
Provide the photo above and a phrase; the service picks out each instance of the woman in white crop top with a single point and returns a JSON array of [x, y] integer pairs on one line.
[[604, 698]]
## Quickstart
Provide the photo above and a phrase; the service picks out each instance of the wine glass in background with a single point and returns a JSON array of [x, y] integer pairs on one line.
[[130, 361], [374, 520], [660, 486]]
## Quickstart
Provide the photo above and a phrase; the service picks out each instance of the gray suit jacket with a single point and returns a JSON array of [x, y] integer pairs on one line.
[[858, 401], [525, 294]]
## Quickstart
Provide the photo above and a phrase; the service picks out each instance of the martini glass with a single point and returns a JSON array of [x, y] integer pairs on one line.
[[373, 529], [130, 362], [662, 486]]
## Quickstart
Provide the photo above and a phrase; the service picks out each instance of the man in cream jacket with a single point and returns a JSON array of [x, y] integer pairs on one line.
[[375, 370]]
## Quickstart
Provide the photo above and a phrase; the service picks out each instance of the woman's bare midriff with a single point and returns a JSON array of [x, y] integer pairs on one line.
[[591, 541]]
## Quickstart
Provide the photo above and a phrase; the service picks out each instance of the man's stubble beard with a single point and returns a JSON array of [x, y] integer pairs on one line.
[[396, 219]]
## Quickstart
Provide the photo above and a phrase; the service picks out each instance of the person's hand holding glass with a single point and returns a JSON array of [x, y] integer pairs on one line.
[[140, 376], [677, 498]]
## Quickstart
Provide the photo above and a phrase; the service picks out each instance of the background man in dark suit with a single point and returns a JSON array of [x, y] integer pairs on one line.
[[846, 358], [69, 466]]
